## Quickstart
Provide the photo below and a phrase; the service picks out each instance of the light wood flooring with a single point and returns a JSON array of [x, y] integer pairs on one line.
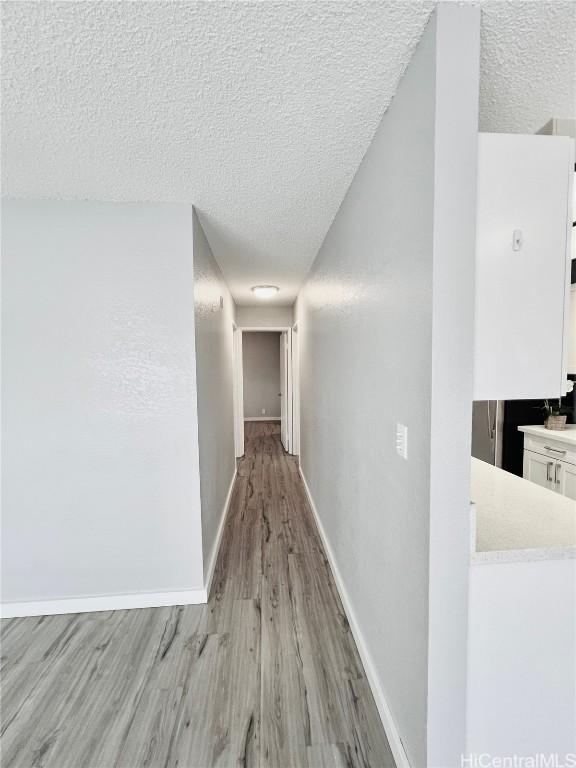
[[266, 674]]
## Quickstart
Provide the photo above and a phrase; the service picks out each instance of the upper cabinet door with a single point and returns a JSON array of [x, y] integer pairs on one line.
[[522, 265]]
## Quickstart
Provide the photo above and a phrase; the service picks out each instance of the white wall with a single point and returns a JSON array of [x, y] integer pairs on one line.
[[385, 323], [101, 491], [522, 666], [261, 368], [213, 324], [264, 316]]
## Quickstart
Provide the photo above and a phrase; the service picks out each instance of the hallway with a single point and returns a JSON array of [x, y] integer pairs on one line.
[[265, 674]]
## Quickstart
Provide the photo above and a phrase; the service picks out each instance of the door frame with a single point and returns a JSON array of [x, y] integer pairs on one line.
[[239, 383], [284, 398], [295, 344], [238, 390]]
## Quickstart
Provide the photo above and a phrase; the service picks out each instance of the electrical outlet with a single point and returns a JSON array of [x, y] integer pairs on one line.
[[263, 411], [402, 440]]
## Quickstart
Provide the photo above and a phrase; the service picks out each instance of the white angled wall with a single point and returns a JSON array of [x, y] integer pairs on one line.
[[213, 311], [385, 321], [101, 491]]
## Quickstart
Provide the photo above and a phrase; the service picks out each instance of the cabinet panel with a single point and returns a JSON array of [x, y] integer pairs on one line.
[[539, 469], [566, 477], [522, 289], [552, 448]]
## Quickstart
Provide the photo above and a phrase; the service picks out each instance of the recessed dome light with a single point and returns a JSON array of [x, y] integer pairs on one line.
[[264, 291]]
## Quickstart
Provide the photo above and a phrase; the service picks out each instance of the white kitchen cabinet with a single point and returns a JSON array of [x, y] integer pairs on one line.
[[565, 474], [539, 469], [550, 459], [522, 266]]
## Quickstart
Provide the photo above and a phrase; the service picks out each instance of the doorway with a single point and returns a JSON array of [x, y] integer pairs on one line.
[[264, 382]]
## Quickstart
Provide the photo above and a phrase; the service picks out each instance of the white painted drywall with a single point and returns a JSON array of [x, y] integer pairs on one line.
[[264, 316], [455, 186], [261, 364], [521, 663], [101, 491], [213, 313], [389, 295]]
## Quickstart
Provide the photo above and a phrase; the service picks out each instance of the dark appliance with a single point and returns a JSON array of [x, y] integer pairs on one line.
[[519, 413]]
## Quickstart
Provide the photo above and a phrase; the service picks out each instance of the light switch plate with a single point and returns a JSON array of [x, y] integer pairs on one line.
[[402, 440]]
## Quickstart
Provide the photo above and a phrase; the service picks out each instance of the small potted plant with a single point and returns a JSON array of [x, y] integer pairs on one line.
[[555, 415]]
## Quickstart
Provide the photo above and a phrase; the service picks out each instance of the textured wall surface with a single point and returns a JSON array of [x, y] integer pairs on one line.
[[376, 318], [101, 490], [258, 113], [261, 368], [367, 304], [213, 315], [528, 64]]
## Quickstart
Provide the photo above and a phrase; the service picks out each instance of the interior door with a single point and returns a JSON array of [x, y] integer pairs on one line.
[[284, 390]]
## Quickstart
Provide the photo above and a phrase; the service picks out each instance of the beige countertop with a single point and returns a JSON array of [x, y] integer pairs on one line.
[[567, 435], [515, 519]]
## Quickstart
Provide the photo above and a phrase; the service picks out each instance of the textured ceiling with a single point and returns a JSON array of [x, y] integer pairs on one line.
[[257, 112], [528, 66]]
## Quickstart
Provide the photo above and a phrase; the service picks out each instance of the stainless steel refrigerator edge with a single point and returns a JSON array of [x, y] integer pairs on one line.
[[487, 420]]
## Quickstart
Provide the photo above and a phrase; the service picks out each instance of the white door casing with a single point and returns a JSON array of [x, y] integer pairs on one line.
[[286, 387], [238, 393], [289, 390], [284, 429], [295, 443]]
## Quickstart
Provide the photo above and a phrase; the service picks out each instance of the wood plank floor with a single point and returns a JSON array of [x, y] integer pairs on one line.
[[266, 674]]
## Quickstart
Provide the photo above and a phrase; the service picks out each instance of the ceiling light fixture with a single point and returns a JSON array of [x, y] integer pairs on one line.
[[264, 291]]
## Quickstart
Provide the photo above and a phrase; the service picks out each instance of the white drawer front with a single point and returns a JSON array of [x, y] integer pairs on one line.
[[554, 449]]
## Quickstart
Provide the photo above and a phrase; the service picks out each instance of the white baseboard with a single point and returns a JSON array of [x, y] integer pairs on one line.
[[95, 603], [124, 602], [221, 525], [262, 418], [390, 728]]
